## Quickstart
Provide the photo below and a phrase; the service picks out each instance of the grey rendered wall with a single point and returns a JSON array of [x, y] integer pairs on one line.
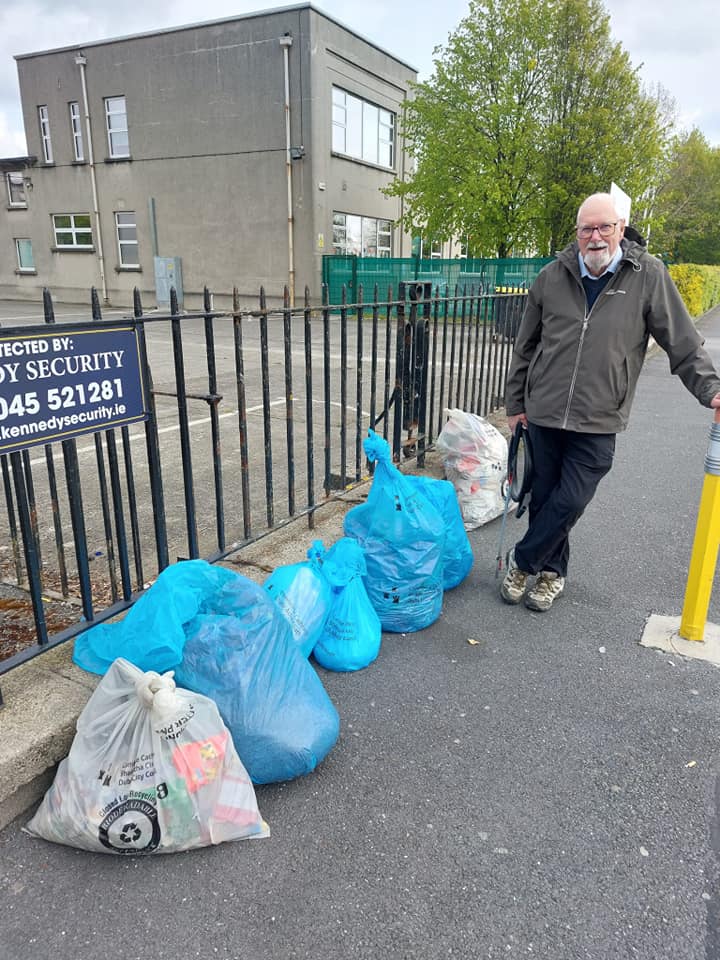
[[351, 186], [15, 223], [206, 124], [207, 137]]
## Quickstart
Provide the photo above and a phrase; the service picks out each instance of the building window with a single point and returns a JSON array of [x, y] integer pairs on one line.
[[117, 129], [25, 259], [45, 134], [126, 230], [72, 231], [76, 130], [361, 236], [16, 189], [426, 248], [362, 130]]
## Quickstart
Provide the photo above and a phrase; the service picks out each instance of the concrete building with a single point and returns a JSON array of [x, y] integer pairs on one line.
[[247, 148]]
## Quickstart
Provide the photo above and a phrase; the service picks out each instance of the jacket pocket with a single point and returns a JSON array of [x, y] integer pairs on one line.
[[533, 371], [624, 384]]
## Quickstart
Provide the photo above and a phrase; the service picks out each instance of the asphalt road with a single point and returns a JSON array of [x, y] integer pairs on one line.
[[548, 792]]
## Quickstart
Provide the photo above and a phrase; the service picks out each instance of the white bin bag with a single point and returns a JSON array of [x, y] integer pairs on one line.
[[474, 454], [152, 769]]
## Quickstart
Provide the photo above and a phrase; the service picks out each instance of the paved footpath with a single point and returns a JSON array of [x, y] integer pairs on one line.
[[548, 792]]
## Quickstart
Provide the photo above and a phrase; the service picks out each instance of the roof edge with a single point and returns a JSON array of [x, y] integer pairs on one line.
[[212, 23]]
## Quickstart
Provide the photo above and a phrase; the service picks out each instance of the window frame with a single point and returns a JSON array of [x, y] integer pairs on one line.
[[123, 243], [20, 267], [73, 229], [113, 154], [377, 129], [76, 132], [16, 204], [45, 135], [383, 230]]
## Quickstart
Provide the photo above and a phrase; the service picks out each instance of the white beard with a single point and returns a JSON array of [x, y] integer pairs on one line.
[[597, 260]]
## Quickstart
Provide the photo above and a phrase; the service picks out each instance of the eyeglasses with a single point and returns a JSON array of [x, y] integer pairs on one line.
[[604, 229]]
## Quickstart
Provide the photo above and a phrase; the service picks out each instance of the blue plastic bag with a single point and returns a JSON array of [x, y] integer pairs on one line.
[[458, 556], [403, 538], [151, 634], [352, 634], [244, 657], [229, 641], [304, 596]]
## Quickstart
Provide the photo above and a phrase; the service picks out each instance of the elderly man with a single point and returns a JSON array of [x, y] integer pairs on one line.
[[577, 358]]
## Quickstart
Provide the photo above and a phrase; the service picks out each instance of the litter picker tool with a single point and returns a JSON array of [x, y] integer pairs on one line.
[[517, 483]]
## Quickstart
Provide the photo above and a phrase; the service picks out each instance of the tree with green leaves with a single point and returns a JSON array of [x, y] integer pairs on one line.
[[601, 126], [687, 201], [531, 107]]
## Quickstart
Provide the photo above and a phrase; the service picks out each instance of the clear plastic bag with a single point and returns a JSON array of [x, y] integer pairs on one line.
[[152, 769], [474, 455]]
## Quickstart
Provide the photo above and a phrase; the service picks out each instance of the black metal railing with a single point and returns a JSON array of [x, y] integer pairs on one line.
[[254, 418]]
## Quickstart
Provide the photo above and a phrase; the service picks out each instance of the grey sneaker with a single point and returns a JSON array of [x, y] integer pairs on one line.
[[546, 589], [513, 587]]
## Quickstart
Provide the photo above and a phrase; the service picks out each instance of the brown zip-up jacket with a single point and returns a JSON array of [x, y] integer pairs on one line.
[[576, 369]]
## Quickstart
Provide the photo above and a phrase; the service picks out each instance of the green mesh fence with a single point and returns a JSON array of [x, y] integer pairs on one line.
[[514, 274]]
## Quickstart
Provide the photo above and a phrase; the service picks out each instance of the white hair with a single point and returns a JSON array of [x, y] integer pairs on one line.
[[605, 197]]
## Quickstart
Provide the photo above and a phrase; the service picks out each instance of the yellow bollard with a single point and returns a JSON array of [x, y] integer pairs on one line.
[[705, 545]]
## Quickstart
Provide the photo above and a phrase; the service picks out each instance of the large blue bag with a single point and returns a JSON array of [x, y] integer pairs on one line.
[[403, 538], [151, 634], [304, 596], [458, 556], [351, 637], [228, 640], [281, 719]]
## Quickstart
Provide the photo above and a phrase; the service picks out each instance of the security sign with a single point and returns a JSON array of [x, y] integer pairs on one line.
[[54, 386]]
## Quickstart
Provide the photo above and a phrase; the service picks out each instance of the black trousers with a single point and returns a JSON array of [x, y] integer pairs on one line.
[[568, 467]]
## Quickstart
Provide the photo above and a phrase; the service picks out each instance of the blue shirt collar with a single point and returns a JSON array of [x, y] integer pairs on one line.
[[610, 268]]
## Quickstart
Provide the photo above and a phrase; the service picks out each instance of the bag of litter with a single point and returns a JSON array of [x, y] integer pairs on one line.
[[403, 539], [352, 634], [475, 456], [457, 556], [303, 595], [151, 634], [239, 650], [152, 769]]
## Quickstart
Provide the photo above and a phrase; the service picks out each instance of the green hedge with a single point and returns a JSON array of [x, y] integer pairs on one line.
[[699, 286]]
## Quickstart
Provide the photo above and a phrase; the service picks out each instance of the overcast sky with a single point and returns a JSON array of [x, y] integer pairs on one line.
[[677, 44]]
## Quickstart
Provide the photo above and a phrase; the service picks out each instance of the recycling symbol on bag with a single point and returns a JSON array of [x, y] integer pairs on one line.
[[137, 833], [130, 833]]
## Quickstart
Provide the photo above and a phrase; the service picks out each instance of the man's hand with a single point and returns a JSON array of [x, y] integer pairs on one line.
[[715, 405], [522, 418]]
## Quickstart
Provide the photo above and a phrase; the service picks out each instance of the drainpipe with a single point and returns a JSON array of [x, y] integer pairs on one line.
[[81, 61], [286, 43]]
